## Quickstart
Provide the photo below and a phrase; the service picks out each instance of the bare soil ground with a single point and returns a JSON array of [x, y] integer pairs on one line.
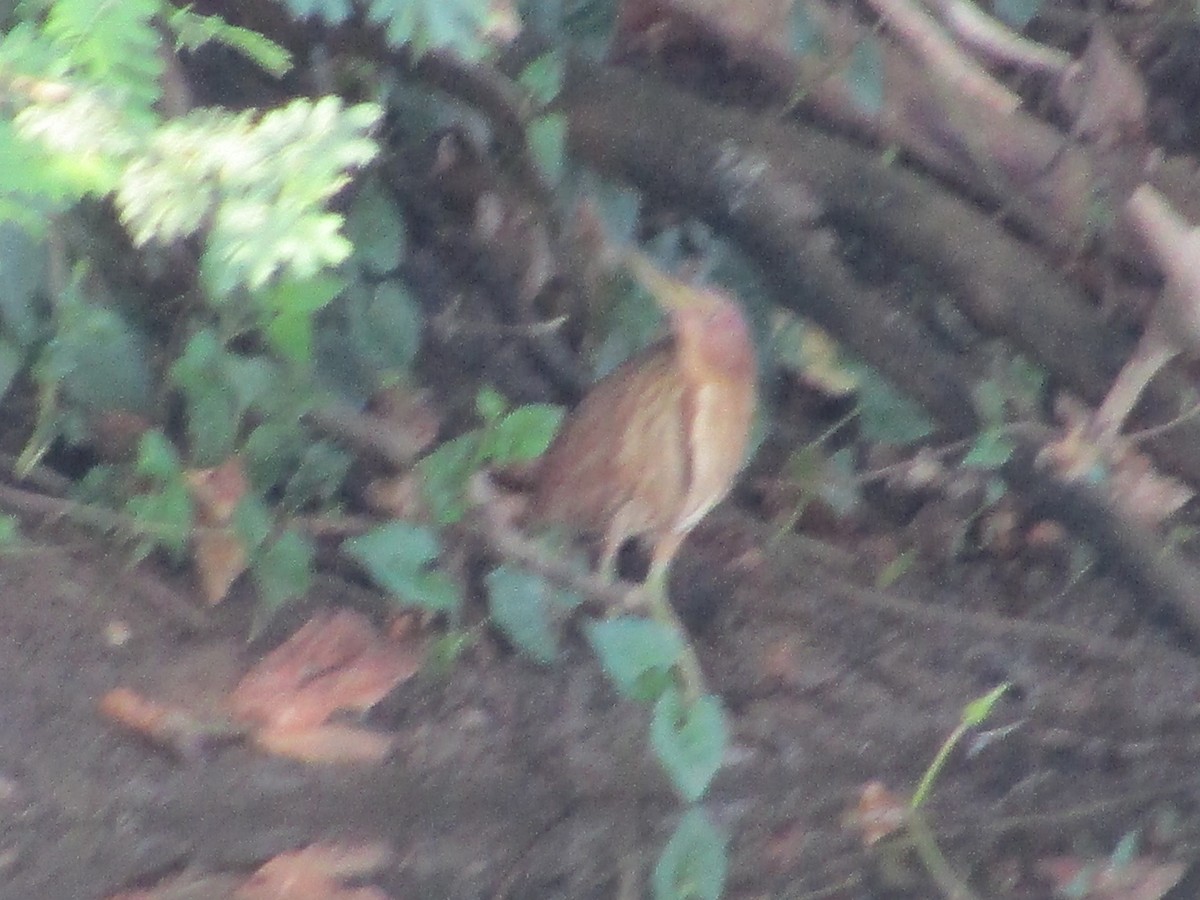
[[515, 781]]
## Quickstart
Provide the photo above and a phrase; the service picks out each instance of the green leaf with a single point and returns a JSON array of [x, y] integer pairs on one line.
[[444, 476], [164, 513], [399, 557], [694, 863], [991, 450], [318, 476], [332, 12], [385, 326], [288, 308], [266, 215], [252, 522], [886, 415], [636, 654], [157, 459], [96, 357], [864, 76], [490, 404], [10, 532], [283, 571], [689, 740], [431, 24], [523, 434], [376, 229], [11, 360], [543, 78], [23, 311], [547, 143], [271, 451], [193, 31], [212, 404], [115, 43], [521, 604], [1016, 13], [806, 33], [976, 712]]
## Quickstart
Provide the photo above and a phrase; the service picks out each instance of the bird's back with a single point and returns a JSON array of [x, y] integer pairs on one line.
[[623, 455]]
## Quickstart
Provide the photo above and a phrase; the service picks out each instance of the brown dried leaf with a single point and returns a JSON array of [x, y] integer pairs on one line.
[[335, 661], [179, 730], [217, 491], [317, 872], [324, 744], [1104, 94], [219, 559], [1143, 493], [879, 813]]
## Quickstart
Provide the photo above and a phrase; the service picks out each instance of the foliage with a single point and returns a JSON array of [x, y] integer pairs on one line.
[[420, 24], [401, 558]]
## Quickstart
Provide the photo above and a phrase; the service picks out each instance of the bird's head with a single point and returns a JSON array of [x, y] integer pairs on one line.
[[708, 324]]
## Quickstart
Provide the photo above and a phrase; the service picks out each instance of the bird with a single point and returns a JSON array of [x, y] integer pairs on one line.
[[655, 444]]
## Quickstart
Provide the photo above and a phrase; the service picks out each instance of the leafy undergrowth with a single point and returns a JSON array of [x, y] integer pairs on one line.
[[326, 323]]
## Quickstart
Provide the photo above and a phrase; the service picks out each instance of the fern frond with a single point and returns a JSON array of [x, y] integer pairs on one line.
[[113, 42]]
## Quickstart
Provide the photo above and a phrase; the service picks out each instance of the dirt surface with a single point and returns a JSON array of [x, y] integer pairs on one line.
[[510, 780]]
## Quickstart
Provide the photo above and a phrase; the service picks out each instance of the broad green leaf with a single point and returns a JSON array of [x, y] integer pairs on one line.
[[252, 522], [376, 229], [157, 459], [288, 308], [806, 33], [400, 558], [636, 654], [521, 604], [886, 415], [548, 142], [1016, 13], [165, 512], [271, 451], [523, 434], [23, 312], [991, 450], [444, 476], [11, 360], [431, 24], [693, 864], [96, 357], [385, 326], [283, 571], [689, 740], [543, 78], [318, 477], [864, 76]]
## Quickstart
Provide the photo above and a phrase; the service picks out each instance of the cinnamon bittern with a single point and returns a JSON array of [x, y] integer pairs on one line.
[[657, 442]]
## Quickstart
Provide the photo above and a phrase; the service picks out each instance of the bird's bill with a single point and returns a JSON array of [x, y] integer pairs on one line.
[[670, 293]]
